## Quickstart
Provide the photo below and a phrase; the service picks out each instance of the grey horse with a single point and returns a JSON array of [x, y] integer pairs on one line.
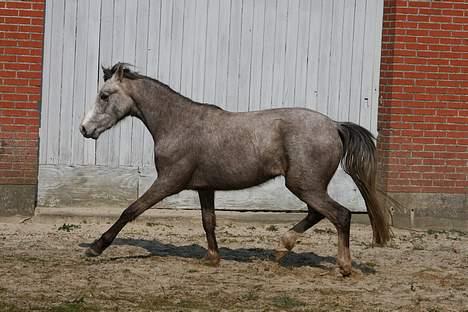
[[204, 148]]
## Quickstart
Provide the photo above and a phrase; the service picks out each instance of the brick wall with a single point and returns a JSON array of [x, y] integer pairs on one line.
[[21, 40], [423, 114]]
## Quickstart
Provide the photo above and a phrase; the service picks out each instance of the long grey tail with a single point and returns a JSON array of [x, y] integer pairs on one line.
[[360, 162]]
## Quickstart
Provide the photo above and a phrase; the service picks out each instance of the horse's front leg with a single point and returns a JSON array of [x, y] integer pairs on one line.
[[160, 189], [209, 224]]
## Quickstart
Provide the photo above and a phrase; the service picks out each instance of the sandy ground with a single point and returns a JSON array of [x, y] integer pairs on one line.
[[155, 266]]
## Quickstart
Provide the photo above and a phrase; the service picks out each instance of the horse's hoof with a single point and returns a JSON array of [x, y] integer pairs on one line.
[[345, 271], [90, 252], [211, 261], [280, 254]]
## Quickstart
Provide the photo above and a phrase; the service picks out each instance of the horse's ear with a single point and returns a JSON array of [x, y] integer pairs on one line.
[[119, 73], [107, 73]]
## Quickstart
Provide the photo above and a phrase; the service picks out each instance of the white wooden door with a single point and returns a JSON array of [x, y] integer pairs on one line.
[[242, 55]]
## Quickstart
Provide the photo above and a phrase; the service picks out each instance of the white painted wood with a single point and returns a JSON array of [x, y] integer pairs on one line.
[[324, 56], [335, 59], [257, 53], [176, 44], [222, 53], [357, 61], [346, 59], [292, 44], [300, 80], [55, 82], [315, 28], [45, 83], [234, 55], [68, 70], [245, 55], [79, 91], [209, 88], [188, 48], [279, 53], [368, 54], [199, 53], [268, 54], [239, 54], [376, 66]]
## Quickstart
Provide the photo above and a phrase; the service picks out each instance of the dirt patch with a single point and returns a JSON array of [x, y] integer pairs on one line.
[[156, 266]]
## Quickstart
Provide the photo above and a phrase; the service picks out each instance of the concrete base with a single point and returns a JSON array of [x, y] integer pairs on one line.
[[17, 200], [439, 205]]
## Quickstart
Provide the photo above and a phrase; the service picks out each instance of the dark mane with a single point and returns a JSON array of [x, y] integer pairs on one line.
[[133, 75]]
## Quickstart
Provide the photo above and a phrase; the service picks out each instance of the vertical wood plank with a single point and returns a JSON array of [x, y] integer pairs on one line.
[[53, 116], [105, 59], [234, 56], [68, 71], [291, 54], [211, 51], [279, 53], [154, 30], [335, 59], [257, 51], [177, 28], [268, 54], [378, 21], [245, 55], [300, 85], [79, 84], [346, 59], [313, 54], [222, 53], [357, 60], [366, 82], [187, 52], [164, 68], [46, 76], [324, 55], [92, 71], [199, 55]]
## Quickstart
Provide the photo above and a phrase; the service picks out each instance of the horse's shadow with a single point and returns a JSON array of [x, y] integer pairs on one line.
[[195, 251]]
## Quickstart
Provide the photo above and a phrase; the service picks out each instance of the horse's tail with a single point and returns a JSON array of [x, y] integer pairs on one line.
[[360, 162]]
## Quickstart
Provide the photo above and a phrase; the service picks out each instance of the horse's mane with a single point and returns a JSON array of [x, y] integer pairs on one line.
[[133, 75]]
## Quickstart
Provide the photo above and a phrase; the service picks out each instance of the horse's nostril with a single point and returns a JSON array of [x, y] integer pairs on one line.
[[83, 130]]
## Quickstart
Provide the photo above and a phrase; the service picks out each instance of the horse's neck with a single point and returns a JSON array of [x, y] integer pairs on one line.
[[160, 108]]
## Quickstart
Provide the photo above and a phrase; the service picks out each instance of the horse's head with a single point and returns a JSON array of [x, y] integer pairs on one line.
[[112, 103]]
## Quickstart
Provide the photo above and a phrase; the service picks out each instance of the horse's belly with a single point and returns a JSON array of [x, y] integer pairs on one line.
[[230, 178]]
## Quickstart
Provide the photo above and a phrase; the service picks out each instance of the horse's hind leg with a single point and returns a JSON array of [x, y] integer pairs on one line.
[[341, 219], [288, 240], [209, 224]]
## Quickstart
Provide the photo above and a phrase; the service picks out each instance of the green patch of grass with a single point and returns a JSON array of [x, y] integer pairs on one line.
[[68, 227], [272, 228], [287, 302]]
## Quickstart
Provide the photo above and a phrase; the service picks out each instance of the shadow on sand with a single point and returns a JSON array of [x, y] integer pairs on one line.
[[194, 251]]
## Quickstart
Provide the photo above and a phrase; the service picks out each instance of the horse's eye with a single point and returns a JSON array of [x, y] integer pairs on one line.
[[104, 96]]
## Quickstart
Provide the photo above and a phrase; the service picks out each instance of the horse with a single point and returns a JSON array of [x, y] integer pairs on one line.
[[204, 148]]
